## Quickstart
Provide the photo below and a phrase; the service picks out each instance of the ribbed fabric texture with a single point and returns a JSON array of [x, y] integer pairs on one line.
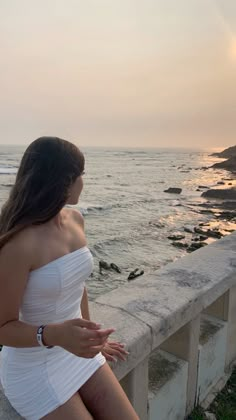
[[37, 380]]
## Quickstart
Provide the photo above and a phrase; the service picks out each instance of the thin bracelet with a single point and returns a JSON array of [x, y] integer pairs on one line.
[[40, 337]]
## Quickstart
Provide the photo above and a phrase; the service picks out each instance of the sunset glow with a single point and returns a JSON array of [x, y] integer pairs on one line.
[[119, 73], [233, 49]]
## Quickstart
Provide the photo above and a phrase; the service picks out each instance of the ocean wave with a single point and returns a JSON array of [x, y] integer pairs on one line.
[[95, 208], [7, 185], [8, 171]]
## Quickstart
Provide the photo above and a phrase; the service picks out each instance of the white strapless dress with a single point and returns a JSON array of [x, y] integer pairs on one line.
[[37, 380]]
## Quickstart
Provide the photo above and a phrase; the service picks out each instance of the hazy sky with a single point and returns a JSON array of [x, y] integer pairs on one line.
[[119, 72]]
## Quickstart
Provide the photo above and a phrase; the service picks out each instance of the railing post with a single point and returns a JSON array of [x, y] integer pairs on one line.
[[219, 308], [135, 385], [231, 334], [184, 344]]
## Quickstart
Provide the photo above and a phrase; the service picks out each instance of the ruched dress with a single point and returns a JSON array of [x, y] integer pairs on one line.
[[37, 380]]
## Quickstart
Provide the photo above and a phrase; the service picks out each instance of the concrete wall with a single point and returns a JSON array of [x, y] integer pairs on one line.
[[164, 310]]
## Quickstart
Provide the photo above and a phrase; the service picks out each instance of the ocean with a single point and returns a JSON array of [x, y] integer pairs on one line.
[[128, 216]]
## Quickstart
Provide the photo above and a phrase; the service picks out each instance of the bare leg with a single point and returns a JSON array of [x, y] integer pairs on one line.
[[73, 409], [104, 397]]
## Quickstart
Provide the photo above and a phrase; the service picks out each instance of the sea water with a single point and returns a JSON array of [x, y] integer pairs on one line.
[[128, 216]]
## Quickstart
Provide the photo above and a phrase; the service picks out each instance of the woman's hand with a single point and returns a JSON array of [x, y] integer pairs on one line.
[[113, 350], [78, 336]]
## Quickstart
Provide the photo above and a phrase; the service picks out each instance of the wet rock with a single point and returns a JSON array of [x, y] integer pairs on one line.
[[222, 194], [115, 268], [199, 230], [189, 229], [176, 237], [179, 244], [229, 165], [228, 215], [212, 233], [135, 273], [200, 238], [103, 265], [195, 245], [157, 224], [173, 190], [226, 153], [207, 211]]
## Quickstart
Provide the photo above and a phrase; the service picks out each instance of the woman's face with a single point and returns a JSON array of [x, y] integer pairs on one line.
[[75, 190]]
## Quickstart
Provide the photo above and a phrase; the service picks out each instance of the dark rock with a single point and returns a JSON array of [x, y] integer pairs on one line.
[[176, 237], [115, 267], [194, 246], [134, 274], [202, 186], [221, 183], [174, 190], [222, 194], [180, 244], [226, 153], [227, 215], [199, 231], [103, 264], [229, 165], [200, 238], [206, 211], [214, 233]]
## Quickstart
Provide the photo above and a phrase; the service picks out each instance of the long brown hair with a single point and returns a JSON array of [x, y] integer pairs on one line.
[[47, 169]]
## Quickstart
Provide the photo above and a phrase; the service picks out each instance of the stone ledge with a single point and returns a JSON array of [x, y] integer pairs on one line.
[[172, 296], [129, 330]]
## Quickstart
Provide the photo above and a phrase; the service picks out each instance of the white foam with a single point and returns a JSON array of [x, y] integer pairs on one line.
[[8, 171]]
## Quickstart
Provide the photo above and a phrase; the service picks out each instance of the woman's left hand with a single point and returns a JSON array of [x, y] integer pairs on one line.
[[113, 350]]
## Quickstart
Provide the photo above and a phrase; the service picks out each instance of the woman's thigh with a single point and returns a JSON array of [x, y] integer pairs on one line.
[[73, 409], [104, 397]]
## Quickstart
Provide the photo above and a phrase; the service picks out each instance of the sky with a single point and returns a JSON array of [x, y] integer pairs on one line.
[[133, 73]]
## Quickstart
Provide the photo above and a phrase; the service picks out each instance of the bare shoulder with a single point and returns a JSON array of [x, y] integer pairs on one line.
[[76, 215], [20, 249]]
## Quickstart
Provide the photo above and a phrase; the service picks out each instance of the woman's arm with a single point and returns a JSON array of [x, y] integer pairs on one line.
[[73, 335], [85, 305], [78, 217]]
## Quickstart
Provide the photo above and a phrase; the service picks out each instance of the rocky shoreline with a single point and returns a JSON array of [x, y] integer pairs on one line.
[[221, 205]]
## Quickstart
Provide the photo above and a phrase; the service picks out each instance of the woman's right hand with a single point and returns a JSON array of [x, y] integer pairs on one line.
[[78, 336]]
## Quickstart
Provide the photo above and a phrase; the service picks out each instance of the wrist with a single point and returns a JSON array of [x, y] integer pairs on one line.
[[51, 335]]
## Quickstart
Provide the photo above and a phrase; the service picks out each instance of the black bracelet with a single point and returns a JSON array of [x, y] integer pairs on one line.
[[40, 337]]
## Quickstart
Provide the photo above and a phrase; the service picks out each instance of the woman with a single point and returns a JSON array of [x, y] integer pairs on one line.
[[53, 358]]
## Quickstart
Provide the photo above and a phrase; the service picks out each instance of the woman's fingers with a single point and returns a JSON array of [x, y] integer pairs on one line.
[[115, 352], [116, 343], [109, 357], [116, 346]]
